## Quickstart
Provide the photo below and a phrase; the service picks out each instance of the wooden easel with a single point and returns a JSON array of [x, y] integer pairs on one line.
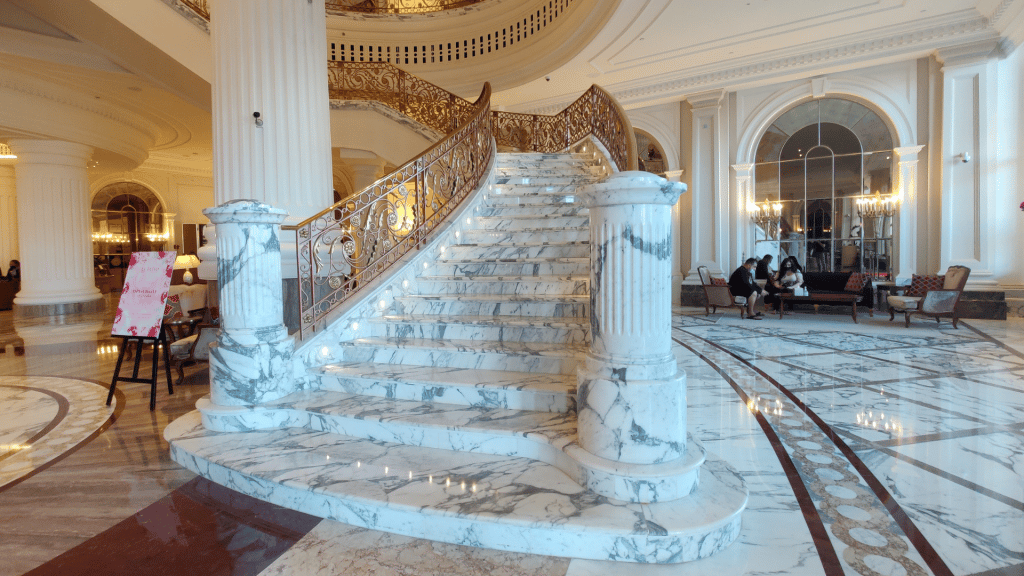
[[157, 342]]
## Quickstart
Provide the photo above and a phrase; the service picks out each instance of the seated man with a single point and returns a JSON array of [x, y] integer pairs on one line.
[[742, 283]]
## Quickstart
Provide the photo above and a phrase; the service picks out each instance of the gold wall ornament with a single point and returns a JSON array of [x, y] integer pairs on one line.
[[398, 6]]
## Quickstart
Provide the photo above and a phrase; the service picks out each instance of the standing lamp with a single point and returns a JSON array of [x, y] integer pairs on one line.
[[186, 262]]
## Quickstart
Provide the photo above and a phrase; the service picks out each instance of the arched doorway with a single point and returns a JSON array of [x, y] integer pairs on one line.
[[127, 217], [823, 188], [650, 152]]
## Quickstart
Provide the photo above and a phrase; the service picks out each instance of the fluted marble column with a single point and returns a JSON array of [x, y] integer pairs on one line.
[[250, 362], [270, 57], [8, 214], [632, 394], [54, 228]]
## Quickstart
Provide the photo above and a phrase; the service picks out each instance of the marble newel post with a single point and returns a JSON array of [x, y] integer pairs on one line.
[[251, 361], [632, 394]]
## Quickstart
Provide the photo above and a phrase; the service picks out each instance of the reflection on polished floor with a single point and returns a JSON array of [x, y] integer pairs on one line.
[[867, 449]]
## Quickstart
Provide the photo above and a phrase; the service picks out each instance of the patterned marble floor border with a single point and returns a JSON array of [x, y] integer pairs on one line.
[[64, 409], [812, 460]]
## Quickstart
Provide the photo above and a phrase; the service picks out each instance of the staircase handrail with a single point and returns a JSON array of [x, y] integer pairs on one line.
[[595, 113], [348, 245]]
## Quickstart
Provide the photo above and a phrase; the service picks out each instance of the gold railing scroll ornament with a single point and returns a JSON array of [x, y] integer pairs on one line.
[[201, 7], [397, 6], [351, 243], [354, 241], [596, 113]]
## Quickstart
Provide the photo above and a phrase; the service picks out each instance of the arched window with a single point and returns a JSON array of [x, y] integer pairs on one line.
[[817, 165], [651, 156], [127, 217]]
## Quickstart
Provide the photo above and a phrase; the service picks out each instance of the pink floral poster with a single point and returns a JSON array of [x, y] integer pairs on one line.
[[141, 308]]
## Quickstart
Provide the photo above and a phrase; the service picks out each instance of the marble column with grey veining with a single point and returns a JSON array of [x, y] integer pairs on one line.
[[632, 394], [250, 363]]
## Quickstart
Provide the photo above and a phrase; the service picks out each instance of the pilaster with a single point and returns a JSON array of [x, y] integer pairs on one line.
[[907, 231], [709, 199]]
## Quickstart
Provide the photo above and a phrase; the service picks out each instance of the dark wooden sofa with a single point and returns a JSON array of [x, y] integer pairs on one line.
[[824, 283]]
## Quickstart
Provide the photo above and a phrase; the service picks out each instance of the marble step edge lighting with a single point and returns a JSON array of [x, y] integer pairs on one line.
[[632, 444]]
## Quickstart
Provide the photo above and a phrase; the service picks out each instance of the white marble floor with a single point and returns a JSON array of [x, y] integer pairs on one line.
[[867, 449]]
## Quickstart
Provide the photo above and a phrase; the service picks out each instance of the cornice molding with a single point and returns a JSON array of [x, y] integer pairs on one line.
[[160, 163], [69, 96], [868, 51]]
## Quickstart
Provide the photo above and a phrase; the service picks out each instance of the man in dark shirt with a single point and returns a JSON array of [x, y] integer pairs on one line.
[[741, 283], [764, 271]]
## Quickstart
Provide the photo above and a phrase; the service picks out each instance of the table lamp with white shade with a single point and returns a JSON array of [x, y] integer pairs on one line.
[[185, 262]]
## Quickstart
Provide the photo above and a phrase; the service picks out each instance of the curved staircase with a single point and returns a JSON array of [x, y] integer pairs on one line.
[[452, 417]]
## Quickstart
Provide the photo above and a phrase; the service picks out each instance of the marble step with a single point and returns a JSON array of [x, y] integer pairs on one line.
[[494, 305], [512, 211], [493, 501], [548, 358], [513, 222], [507, 250], [542, 235], [503, 182], [459, 386], [549, 195], [513, 267], [522, 285], [497, 328], [548, 437]]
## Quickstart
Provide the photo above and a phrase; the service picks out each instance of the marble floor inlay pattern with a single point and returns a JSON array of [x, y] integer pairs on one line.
[[868, 449], [43, 419]]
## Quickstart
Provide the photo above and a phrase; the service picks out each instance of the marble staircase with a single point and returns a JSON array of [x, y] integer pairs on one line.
[[452, 416]]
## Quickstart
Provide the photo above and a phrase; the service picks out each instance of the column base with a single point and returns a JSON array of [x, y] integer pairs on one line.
[[59, 308], [251, 367], [632, 414]]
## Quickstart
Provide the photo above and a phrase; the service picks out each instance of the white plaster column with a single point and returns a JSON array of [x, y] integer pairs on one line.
[[677, 232], [8, 214], [250, 363], [270, 57], [908, 229], [968, 102], [632, 394], [709, 217], [54, 228]]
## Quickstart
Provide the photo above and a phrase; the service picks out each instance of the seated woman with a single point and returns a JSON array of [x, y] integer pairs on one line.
[[791, 277]]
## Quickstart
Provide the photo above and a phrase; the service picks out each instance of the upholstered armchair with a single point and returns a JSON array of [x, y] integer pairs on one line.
[[717, 294], [194, 348], [935, 296]]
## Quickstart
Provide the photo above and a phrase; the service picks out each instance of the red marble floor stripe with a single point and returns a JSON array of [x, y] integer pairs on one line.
[[200, 529], [920, 542], [118, 409], [819, 534], [63, 407]]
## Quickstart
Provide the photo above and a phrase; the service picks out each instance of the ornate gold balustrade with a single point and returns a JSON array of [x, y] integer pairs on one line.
[[348, 245], [353, 242], [201, 7], [397, 6], [596, 113]]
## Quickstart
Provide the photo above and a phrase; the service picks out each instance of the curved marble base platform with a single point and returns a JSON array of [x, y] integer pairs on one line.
[[482, 500], [549, 437]]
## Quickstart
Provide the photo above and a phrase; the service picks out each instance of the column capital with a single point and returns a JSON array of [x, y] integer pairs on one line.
[[966, 54], [705, 100], [743, 170], [907, 153], [50, 152], [631, 187], [245, 210]]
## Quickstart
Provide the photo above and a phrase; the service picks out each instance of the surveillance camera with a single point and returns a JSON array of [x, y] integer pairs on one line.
[[255, 114], [548, 78], [965, 157]]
